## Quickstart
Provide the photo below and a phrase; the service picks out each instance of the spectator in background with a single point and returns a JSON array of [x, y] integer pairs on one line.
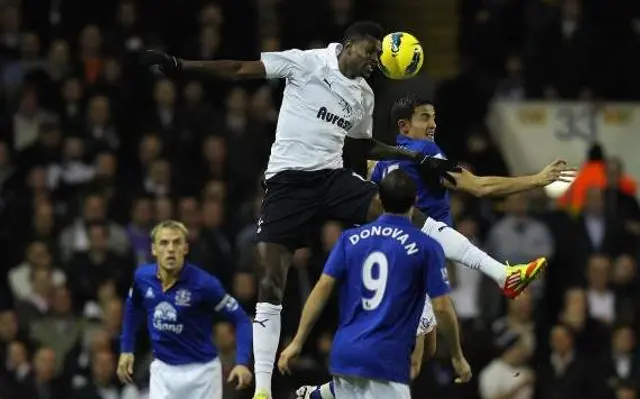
[[138, 230], [90, 52], [566, 374], [71, 106], [38, 303], [517, 236], [15, 379], [593, 174], [26, 121], [89, 269], [37, 257], [103, 381], [164, 118], [28, 63], [150, 148], [9, 333], [624, 281], [74, 237], [507, 376], [512, 86], [126, 35], [72, 171], [620, 205], [587, 333], [45, 150], [11, 28], [593, 232], [59, 331], [621, 364], [601, 299], [101, 132]]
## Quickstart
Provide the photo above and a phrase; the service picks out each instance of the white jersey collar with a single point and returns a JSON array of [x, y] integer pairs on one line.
[[333, 50]]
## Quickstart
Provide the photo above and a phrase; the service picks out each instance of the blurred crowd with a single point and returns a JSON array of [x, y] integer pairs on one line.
[[563, 49], [94, 151]]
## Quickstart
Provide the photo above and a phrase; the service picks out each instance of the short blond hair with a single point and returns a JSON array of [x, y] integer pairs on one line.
[[168, 224]]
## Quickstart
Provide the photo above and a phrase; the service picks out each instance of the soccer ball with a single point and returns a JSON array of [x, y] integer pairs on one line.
[[401, 57]]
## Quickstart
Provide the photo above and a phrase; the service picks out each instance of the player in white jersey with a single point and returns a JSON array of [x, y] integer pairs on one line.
[[326, 99]]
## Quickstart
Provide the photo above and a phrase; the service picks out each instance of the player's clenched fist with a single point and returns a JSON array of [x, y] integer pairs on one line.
[[168, 64], [437, 167], [125, 368], [287, 356], [241, 375], [462, 369]]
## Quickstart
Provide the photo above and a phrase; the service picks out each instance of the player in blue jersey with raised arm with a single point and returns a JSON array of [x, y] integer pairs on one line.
[[415, 119], [382, 270], [179, 300]]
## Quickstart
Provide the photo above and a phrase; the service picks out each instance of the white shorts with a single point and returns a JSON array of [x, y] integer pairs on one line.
[[192, 381], [361, 388], [428, 319]]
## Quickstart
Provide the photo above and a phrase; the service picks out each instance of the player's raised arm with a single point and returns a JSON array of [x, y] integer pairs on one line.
[[315, 304], [227, 305], [272, 65], [132, 318], [481, 186]]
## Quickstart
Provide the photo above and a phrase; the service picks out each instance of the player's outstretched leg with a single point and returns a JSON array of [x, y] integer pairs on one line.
[[512, 279], [274, 261], [324, 391]]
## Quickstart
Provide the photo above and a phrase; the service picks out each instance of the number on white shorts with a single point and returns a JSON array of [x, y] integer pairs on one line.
[[376, 284]]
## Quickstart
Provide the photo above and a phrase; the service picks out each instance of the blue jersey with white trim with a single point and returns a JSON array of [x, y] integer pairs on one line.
[[180, 320], [383, 270], [433, 199]]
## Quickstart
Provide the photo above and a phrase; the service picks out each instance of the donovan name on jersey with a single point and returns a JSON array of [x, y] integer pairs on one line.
[[385, 231]]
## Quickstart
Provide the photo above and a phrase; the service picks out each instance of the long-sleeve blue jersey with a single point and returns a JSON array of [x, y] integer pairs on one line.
[[180, 319]]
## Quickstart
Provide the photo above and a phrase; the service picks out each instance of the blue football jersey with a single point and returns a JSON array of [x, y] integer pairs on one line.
[[384, 269], [180, 320], [433, 199]]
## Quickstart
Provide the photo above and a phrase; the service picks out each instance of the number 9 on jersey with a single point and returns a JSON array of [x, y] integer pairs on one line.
[[376, 283]]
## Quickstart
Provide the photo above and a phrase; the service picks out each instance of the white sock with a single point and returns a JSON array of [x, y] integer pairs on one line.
[[459, 249], [266, 337], [326, 391]]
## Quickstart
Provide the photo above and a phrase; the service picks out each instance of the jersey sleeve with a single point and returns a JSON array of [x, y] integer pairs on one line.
[[336, 264], [217, 297], [431, 149], [283, 64], [227, 305], [376, 175], [437, 281], [132, 318]]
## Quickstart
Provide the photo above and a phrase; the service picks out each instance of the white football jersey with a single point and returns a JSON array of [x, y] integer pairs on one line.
[[319, 109], [428, 318]]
